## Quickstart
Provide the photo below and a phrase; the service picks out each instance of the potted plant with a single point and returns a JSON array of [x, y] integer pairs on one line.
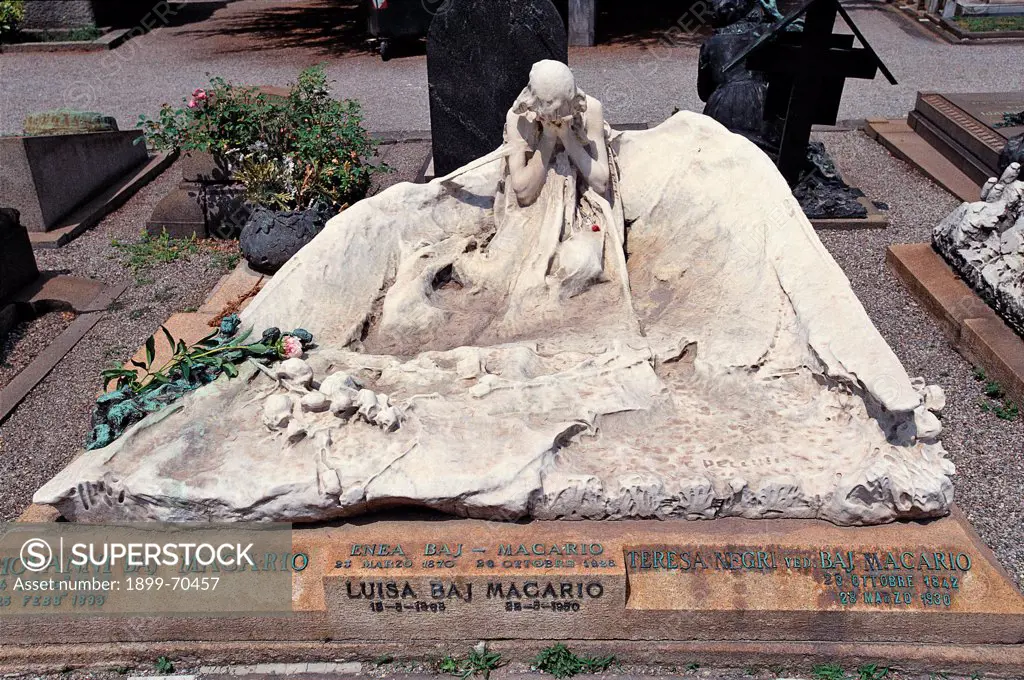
[[300, 158], [12, 13]]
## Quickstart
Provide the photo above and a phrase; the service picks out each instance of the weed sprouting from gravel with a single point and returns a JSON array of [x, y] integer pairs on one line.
[[871, 671], [993, 389], [560, 662], [478, 662], [996, 403], [163, 665], [828, 671], [150, 252]]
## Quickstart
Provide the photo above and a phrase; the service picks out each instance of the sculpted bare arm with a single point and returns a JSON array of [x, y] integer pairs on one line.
[[527, 166], [591, 159]]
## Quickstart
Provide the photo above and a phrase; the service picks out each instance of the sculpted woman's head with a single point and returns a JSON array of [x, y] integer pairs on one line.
[[551, 92]]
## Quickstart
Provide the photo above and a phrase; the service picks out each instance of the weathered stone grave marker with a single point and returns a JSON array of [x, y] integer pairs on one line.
[[479, 55], [74, 158]]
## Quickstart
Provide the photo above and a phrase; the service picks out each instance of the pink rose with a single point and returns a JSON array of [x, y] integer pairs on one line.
[[291, 347], [191, 103], [199, 94]]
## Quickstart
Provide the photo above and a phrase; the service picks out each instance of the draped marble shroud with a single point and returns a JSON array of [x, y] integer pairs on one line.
[[740, 377]]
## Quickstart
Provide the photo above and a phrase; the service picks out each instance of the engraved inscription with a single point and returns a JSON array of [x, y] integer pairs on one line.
[[919, 578]]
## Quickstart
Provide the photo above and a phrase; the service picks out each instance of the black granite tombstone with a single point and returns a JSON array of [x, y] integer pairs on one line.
[[479, 55], [17, 268], [17, 261]]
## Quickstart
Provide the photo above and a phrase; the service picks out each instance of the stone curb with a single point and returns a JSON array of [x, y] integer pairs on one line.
[[939, 27], [90, 213], [23, 383], [343, 668], [904, 143], [972, 327], [108, 41], [982, 37]]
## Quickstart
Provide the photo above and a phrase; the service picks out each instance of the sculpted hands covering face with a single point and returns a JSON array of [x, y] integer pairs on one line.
[[551, 116]]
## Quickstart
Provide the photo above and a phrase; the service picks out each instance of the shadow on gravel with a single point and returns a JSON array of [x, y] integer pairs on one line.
[[326, 27], [339, 27], [651, 22]]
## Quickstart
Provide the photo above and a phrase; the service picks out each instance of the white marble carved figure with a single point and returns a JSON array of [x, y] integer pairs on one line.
[[984, 241], [582, 324]]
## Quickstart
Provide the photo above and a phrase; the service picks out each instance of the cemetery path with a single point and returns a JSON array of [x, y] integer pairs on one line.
[[267, 42]]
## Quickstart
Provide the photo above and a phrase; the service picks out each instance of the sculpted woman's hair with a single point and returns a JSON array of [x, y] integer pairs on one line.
[[550, 79]]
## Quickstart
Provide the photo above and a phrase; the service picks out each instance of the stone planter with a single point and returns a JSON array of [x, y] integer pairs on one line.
[[207, 203], [270, 238]]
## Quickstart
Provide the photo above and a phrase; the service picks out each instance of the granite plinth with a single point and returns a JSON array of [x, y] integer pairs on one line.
[[425, 578], [47, 177], [965, 128]]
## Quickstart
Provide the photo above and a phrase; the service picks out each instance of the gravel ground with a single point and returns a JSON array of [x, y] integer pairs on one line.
[[268, 42], [48, 428], [988, 452], [27, 340]]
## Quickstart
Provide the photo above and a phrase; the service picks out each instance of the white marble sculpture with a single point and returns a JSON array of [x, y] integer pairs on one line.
[[583, 324], [984, 241]]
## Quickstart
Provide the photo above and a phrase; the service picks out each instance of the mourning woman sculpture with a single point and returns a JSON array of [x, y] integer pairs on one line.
[[499, 343], [735, 98], [559, 223]]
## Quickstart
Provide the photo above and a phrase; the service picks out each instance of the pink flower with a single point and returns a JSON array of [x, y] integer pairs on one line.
[[291, 347], [192, 103], [199, 94]]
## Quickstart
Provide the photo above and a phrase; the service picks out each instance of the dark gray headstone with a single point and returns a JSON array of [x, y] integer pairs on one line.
[[479, 55], [17, 261]]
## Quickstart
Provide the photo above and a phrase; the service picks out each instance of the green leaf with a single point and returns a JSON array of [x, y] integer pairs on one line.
[[258, 348], [139, 364], [170, 338], [231, 370], [210, 340], [150, 351], [186, 371]]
